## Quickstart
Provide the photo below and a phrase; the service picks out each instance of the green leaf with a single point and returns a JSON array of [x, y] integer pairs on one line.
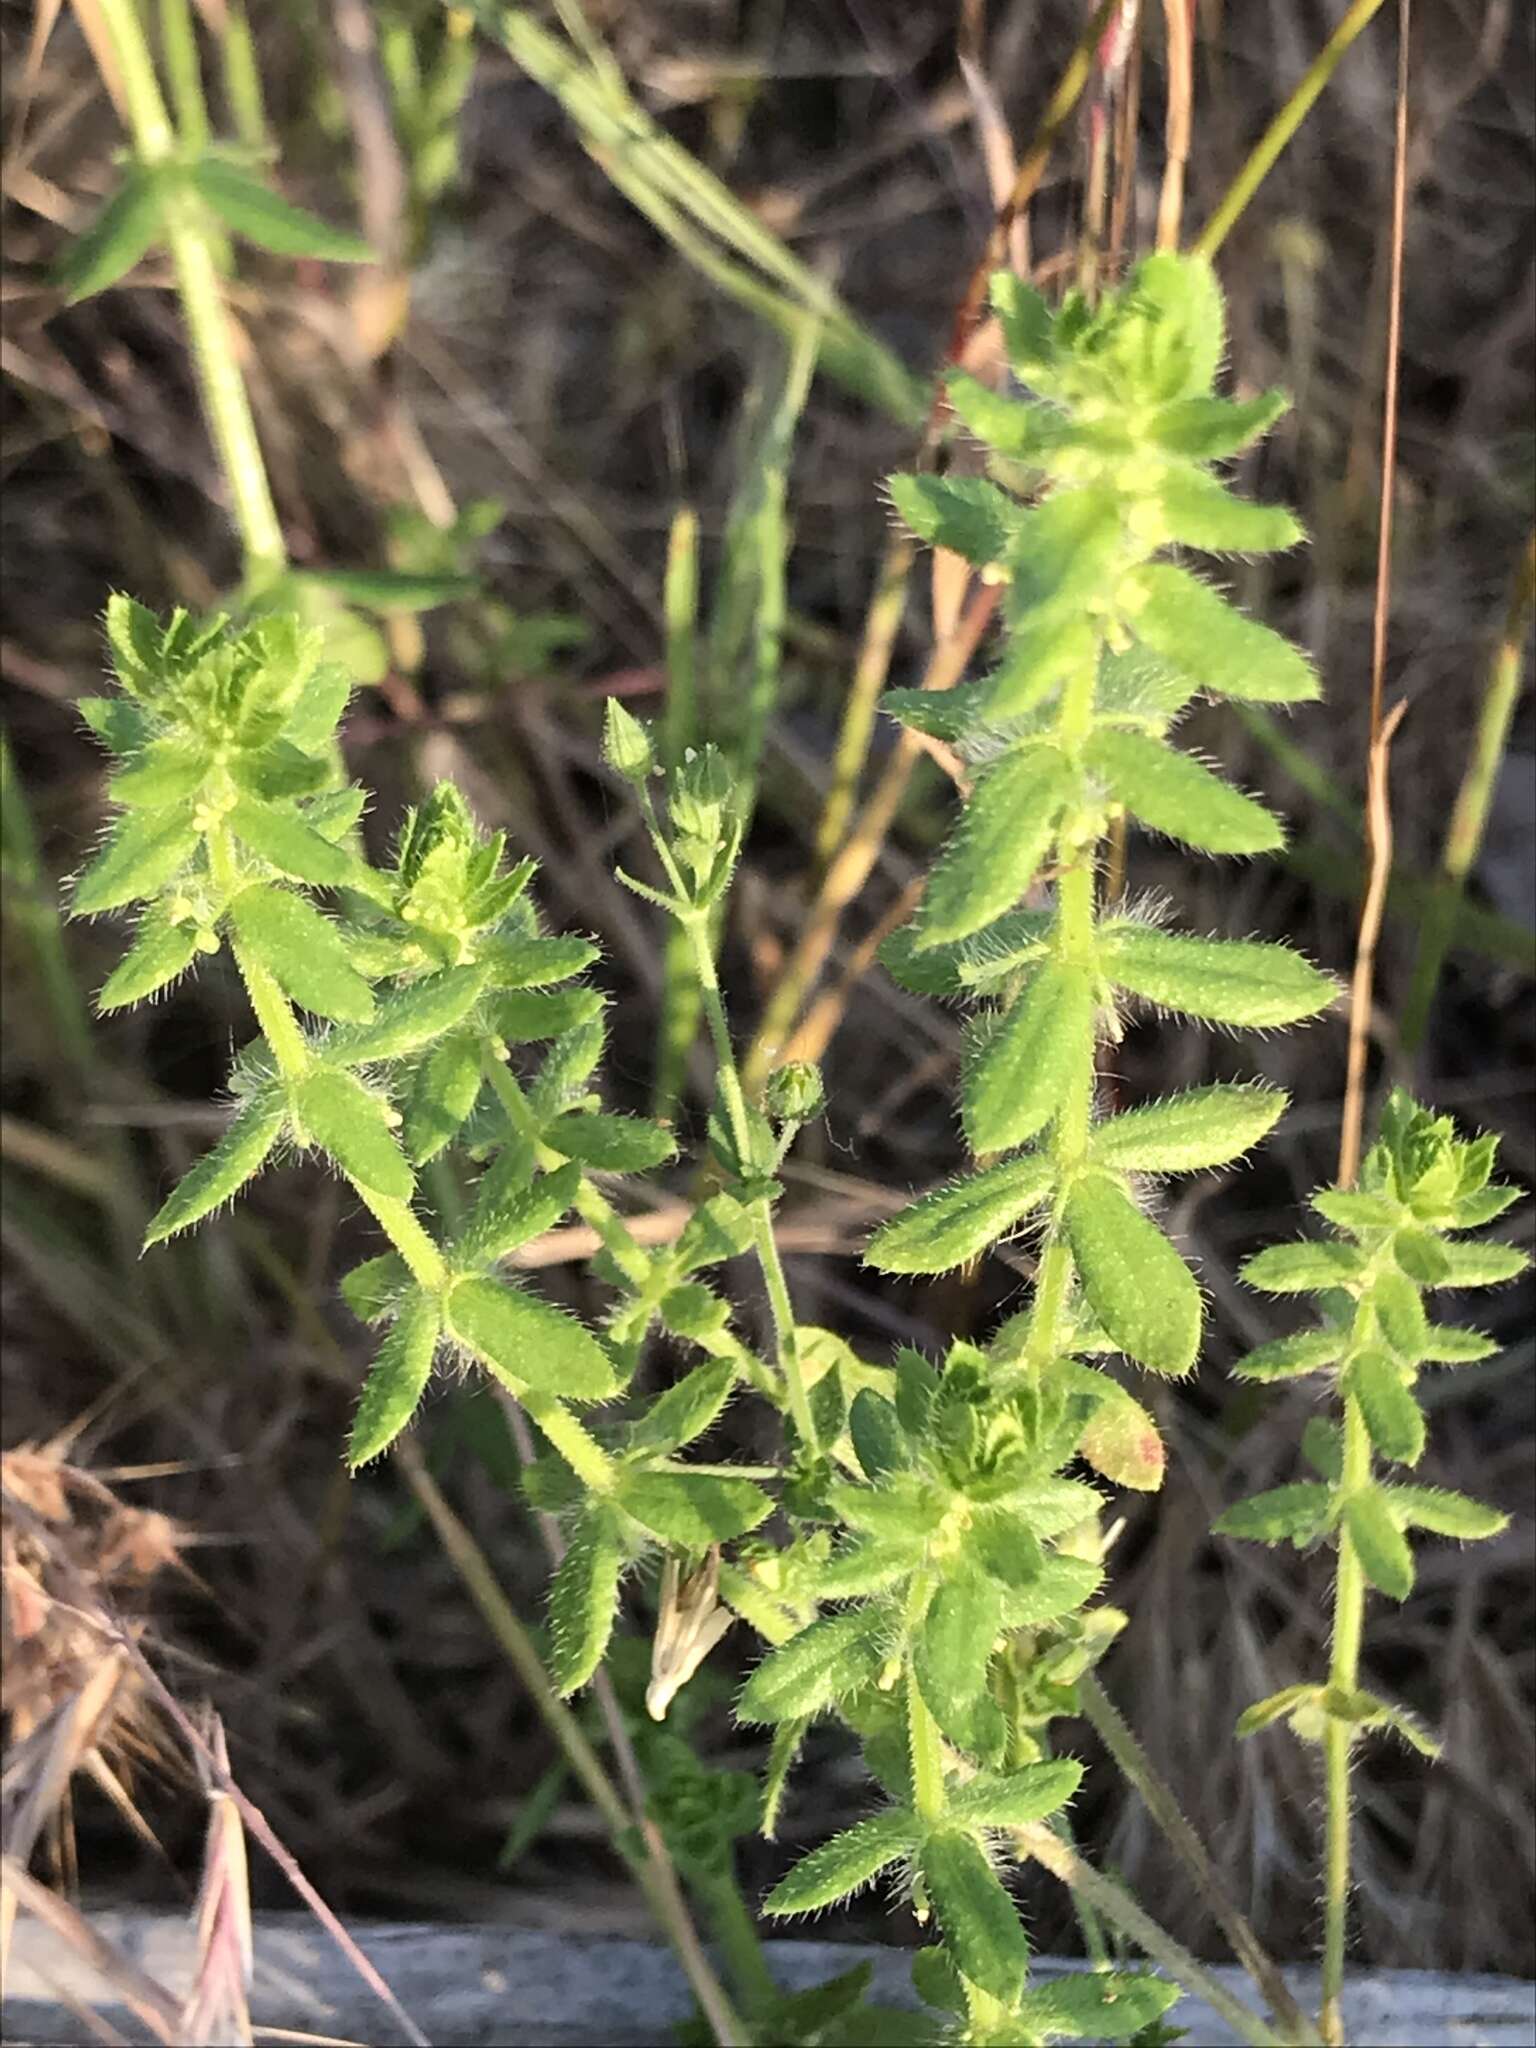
[[1186, 1133], [1175, 323], [531, 1014], [1196, 631], [687, 1408], [895, 1510], [219, 1174], [1098, 2005], [1303, 1268], [372, 1289], [303, 952], [1354, 1209], [1445, 1344], [1393, 1418], [124, 231], [976, 1916], [1482, 1265], [879, 1441], [583, 1599], [409, 1018], [314, 718], [1277, 1707], [1229, 981], [1026, 321], [966, 514], [1039, 1056], [950, 1226], [1199, 512], [255, 212], [1176, 794], [996, 850], [1121, 1441], [510, 1209], [352, 1124], [159, 953], [1208, 429], [1060, 1586], [1049, 1506], [1289, 1357], [832, 1659], [1134, 1281], [120, 725], [396, 1381], [528, 962], [1014, 427], [1043, 648], [693, 1510], [529, 1342], [165, 772], [866, 1566], [1296, 1514], [1400, 1312], [844, 1865], [388, 591], [145, 849], [953, 1649], [1378, 1543], [611, 1144], [1365, 1710], [1444, 1513], [1024, 1795], [443, 1093], [281, 836]]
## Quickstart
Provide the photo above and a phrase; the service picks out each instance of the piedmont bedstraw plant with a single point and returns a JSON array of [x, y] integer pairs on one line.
[[937, 1559], [1398, 1236]]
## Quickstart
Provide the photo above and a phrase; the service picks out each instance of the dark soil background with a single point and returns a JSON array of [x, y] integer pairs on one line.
[[562, 357]]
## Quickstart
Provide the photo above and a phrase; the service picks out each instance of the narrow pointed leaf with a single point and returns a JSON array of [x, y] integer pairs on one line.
[[954, 1648], [372, 1289], [1207, 429], [1186, 1133], [1378, 1543], [1134, 1281], [1023, 431], [1098, 2005], [303, 951], [1022, 1796], [998, 846], [583, 1600], [692, 1510], [611, 1144], [511, 1209], [443, 1094], [978, 1919], [1303, 1268], [1445, 1344], [520, 963], [1393, 1418], [1230, 981], [396, 1381], [1060, 1586], [965, 514], [954, 1223], [686, 1409], [218, 1176], [879, 1441], [1285, 1514], [1289, 1357], [123, 232], [1481, 1265], [1277, 1707], [844, 1865], [406, 1019], [1196, 631], [352, 1124], [145, 849], [294, 847], [1176, 794], [157, 956], [832, 1659], [256, 212], [529, 1342], [1444, 1513], [165, 772], [1199, 512], [1033, 1062]]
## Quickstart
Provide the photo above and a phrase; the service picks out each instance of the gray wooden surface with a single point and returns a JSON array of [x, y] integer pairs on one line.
[[469, 1987]]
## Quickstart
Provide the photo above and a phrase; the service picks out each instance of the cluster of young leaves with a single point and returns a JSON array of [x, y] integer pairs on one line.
[[1398, 1236]]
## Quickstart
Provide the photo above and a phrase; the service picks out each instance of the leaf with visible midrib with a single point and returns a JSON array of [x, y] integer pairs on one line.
[[979, 1921], [240, 1153], [1134, 1280], [396, 1380], [529, 1342], [998, 845], [954, 1223]]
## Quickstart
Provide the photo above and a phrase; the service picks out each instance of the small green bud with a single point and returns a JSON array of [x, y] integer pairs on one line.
[[794, 1093], [626, 743], [699, 795]]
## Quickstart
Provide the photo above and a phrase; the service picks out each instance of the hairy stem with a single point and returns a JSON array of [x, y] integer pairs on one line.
[[1343, 1677], [191, 240]]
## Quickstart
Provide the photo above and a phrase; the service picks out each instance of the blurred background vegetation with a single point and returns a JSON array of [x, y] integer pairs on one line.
[[579, 403]]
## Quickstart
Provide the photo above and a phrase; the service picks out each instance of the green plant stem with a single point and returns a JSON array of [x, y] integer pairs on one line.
[[1338, 1736], [183, 70], [1469, 820], [1282, 129], [1041, 1842], [1139, 1771], [786, 1339], [735, 1931], [656, 1881], [242, 78], [927, 1753], [220, 382]]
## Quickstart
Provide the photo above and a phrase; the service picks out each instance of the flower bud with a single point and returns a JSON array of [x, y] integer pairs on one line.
[[626, 744], [794, 1093]]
